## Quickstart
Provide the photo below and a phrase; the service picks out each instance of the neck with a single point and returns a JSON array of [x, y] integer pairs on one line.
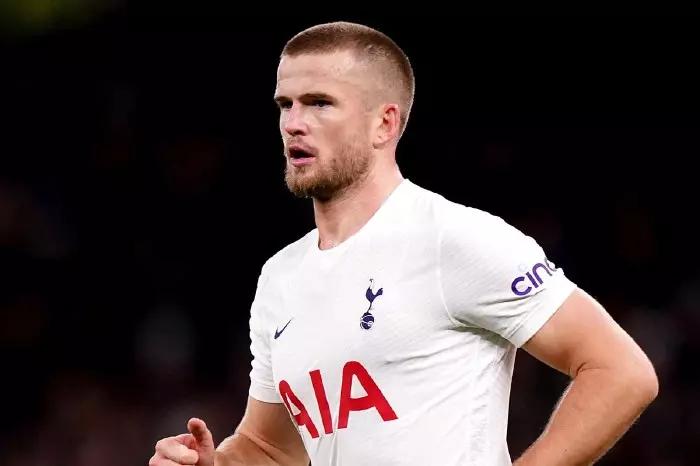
[[344, 215]]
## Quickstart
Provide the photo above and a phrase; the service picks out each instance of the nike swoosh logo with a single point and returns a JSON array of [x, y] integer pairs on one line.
[[279, 332]]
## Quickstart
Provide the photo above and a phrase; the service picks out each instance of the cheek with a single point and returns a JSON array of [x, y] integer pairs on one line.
[[329, 132], [345, 129], [334, 131], [282, 122]]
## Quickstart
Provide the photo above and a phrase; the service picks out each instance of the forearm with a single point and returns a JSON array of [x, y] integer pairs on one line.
[[595, 411], [240, 449]]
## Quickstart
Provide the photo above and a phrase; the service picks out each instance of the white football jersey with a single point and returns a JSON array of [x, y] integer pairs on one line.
[[397, 346]]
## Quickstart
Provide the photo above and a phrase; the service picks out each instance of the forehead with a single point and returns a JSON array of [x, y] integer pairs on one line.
[[299, 73]]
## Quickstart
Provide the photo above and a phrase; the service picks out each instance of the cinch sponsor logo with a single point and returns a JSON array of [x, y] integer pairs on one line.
[[521, 285]]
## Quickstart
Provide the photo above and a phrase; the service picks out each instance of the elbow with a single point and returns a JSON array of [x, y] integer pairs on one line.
[[652, 386], [644, 383]]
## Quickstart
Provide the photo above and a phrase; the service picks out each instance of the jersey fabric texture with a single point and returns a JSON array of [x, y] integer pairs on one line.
[[397, 346]]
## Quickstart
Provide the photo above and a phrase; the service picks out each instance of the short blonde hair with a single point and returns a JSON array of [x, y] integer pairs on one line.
[[368, 44]]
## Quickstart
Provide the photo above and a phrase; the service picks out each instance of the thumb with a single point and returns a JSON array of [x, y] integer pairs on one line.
[[205, 442]]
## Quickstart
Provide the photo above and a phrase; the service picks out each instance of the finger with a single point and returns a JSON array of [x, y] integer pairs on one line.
[[187, 440], [160, 461], [204, 439], [171, 449], [201, 434]]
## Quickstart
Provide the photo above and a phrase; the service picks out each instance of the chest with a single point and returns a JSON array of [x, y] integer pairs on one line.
[[377, 308]]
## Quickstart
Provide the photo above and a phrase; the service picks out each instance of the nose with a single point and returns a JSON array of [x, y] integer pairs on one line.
[[293, 121]]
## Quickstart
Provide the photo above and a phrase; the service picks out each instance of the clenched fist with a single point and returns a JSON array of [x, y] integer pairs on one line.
[[195, 448]]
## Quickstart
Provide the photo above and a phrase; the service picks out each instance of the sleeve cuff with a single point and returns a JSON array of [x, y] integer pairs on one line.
[[536, 320], [265, 394]]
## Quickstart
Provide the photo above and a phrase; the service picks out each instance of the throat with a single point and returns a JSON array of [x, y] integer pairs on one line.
[[340, 218]]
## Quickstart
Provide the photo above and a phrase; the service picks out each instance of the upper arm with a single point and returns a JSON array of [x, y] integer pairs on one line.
[[269, 427], [581, 335]]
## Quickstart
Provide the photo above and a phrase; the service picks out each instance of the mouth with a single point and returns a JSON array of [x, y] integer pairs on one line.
[[299, 156]]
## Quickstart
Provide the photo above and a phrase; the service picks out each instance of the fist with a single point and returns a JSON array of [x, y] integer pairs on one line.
[[195, 448]]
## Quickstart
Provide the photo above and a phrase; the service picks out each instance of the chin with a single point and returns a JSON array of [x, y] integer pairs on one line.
[[307, 187]]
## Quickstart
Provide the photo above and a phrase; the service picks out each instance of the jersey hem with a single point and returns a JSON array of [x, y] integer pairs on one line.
[[266, 395]]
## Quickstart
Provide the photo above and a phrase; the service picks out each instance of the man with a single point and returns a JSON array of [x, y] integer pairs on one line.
[[387, 335]]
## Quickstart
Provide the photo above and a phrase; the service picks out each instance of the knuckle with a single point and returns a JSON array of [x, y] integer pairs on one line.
[[162, 444], [181, 454]]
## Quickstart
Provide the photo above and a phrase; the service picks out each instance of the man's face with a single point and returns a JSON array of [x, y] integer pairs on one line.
[[324, 122]]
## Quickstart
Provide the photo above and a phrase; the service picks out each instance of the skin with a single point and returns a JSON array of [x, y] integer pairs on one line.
[[341, 128], [331, 106], [613, 381]]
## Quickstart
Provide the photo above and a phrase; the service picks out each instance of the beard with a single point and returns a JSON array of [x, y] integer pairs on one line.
[[326, 179]]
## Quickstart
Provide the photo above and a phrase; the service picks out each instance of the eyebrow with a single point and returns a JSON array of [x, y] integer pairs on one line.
[[307, 96], [316, 95], [280, 98]]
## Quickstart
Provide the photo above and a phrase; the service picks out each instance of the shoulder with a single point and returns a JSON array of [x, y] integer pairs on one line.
[[287, 258], [275, 271], [462, 229], [452, 218], [470, 223]]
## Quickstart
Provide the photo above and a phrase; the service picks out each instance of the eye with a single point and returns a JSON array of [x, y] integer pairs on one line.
[[283, 103], [321, 103]]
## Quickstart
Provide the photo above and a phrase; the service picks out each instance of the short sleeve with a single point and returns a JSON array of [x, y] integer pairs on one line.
[[495, 277], [262, 386]]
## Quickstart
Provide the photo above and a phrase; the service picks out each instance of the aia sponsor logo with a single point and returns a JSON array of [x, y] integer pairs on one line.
[[533, 278], [352, 370]]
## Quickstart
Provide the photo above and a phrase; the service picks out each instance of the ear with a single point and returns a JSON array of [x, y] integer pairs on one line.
[[387, 126]]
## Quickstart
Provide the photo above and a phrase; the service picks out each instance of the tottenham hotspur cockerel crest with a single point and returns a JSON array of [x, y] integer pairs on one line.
[[367, 318]]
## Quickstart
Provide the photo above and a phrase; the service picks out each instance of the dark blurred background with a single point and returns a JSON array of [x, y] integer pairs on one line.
[[141, 190]]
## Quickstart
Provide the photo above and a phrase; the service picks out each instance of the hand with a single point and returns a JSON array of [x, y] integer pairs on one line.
[[195, 448]]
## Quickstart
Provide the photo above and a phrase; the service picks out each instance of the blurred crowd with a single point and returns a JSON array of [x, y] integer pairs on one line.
[[137, 206]]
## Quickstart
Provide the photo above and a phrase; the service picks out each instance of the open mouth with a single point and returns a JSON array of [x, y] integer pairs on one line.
[[299, 156], [296, 153]]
